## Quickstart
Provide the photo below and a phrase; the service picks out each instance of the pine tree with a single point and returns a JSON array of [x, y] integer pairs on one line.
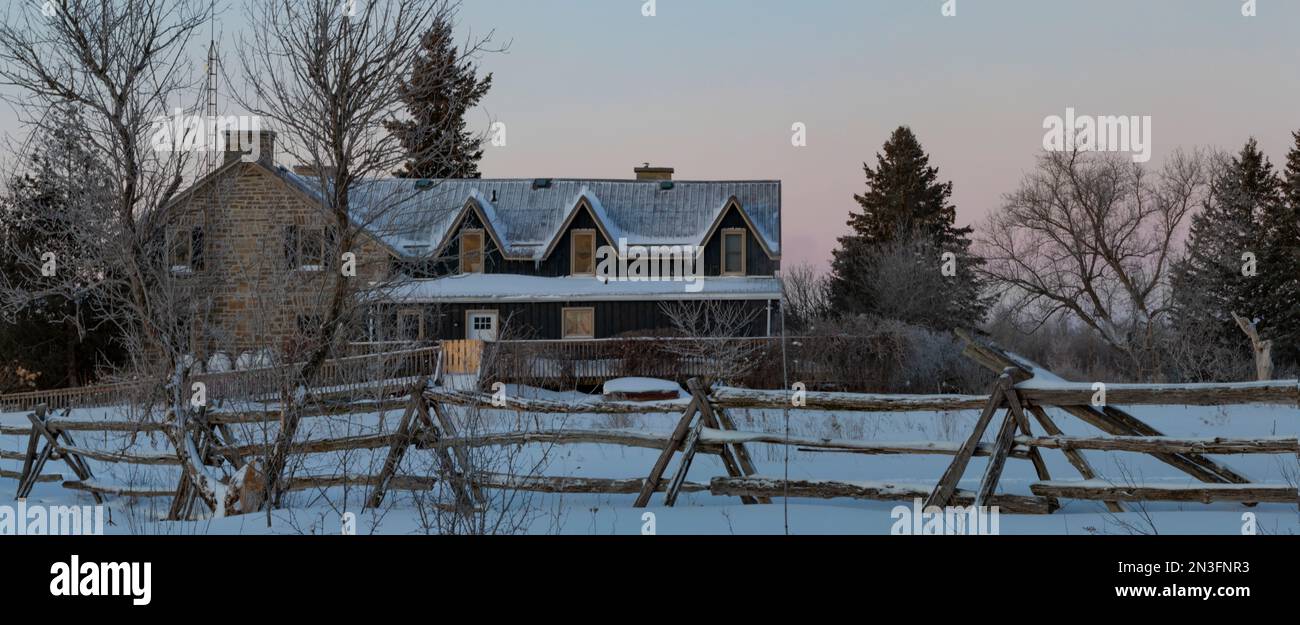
[[443, 86], [1214, 279], [906, 207]]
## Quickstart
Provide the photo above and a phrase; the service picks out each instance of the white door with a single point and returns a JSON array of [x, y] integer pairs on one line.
[[481, 325]]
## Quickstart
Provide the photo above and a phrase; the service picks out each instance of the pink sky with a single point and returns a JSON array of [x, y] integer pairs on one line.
[[591, 88]]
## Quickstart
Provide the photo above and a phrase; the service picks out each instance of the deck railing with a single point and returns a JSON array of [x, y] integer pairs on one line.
[[749, 360]]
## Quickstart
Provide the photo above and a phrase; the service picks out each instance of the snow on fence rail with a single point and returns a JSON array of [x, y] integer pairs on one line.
[[1022, 389]]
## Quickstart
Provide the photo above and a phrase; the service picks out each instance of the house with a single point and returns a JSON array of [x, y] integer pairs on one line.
[[481, 259]]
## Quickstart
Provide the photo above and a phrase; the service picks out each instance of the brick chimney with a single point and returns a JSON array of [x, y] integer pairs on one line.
[[646, 172], [259, 145], [310, 171]]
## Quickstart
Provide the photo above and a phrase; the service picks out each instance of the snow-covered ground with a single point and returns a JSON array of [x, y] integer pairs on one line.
[[698, 513]]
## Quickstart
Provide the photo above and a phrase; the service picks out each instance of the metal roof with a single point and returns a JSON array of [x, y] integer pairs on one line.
[[412, 216]]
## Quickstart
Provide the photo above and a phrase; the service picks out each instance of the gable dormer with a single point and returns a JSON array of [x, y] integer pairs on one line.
[[733, 247], [572, 251]]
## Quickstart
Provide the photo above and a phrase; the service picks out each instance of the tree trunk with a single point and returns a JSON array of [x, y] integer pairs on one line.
[[1263, 349]]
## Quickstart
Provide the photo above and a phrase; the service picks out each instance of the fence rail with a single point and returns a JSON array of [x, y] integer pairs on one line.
[[1021, 391]]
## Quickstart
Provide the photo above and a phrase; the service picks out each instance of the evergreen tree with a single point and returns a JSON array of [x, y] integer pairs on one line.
[[907, 208], [1214, 278], [59, 340], [443, 86], [1277, 291]]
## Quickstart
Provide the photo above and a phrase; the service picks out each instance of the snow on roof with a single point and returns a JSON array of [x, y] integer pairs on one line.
[[478, 287], [413, 216]]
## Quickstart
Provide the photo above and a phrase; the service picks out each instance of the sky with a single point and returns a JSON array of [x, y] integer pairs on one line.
[[593, 88]]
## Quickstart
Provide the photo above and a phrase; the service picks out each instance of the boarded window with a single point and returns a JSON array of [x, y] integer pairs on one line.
[[471, 251], [583, 261], [579, 323], [733, 252]]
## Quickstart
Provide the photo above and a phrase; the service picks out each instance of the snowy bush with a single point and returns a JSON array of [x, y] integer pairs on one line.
[[219, 363]]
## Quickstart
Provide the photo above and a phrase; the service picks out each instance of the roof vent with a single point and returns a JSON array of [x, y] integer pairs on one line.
[[542, 183], [666, 185], [423, 183]]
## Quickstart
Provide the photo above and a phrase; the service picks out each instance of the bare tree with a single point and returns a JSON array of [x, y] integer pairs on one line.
[[1263, 348], [327, 76], [710, 331], [1092, 236], [121, 64], [807, 294], [904, 280]]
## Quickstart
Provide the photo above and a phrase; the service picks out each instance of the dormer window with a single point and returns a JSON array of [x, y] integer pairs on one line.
[[733, 252], [582, 258], [471, 251]]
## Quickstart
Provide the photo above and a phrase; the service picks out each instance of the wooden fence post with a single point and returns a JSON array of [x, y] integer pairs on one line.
[[740, 465], [401, 441], [947, 484], [675, 441]]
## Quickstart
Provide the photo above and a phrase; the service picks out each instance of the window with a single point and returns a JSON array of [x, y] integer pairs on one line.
[[313, 249], [291, 255], [304, 248], [579, 323], [471, 251], [582, 261], [733, 252], [481, 322], [185, 249], [410, 325]]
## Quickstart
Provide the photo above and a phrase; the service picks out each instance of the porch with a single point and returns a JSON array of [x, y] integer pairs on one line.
[[577, 363]]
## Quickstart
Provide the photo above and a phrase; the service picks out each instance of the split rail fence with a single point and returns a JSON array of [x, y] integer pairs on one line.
[[1020, 391]]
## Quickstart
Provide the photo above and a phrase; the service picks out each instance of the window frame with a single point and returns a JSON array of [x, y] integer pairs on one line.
[[177, 236], [744, 244], [573, 251], [304, 232], [482, 249], [564, 317]]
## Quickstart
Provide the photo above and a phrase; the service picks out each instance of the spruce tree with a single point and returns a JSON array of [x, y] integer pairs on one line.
[[1277, 291], [442, 87], [906, 207], [1214, 279]]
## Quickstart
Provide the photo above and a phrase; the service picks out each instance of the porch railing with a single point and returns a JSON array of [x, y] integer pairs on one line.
[[596, 360]]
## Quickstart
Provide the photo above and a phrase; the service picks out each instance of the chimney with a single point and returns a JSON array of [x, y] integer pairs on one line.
[[258, 145], [310, 171], [646, 172]]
